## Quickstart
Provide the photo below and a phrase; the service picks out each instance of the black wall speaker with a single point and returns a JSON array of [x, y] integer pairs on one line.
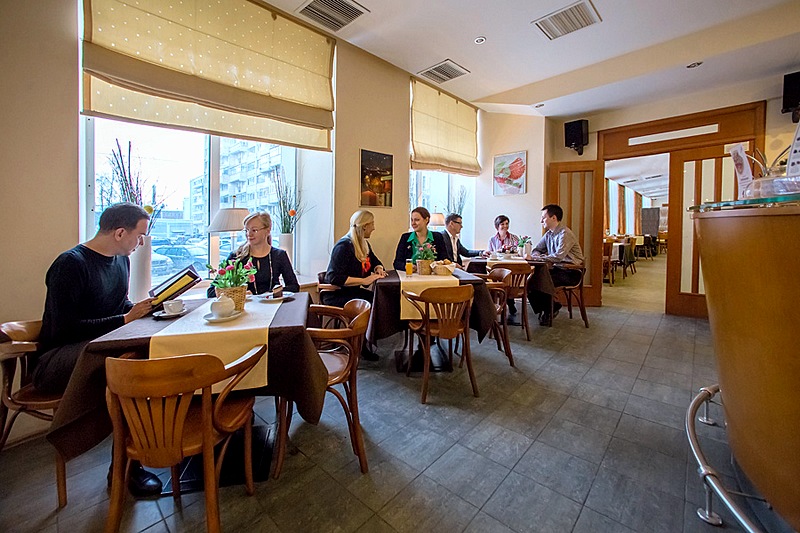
[[576, 134], [791, 95]]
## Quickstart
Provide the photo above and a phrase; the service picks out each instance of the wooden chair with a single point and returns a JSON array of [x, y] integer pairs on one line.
[[339, 345], [662, 242], [644, 246], [570, 292], [518, 288], [608, 263], [445, 315], [19, 341], [497, 281], [323, 287], [158, 420]]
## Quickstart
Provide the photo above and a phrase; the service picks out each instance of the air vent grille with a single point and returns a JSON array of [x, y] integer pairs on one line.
[[572, 18], [333, 14], [444, 71]]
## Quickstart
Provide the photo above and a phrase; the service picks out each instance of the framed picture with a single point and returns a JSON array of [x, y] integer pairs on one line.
[[510, 173], [376, 179]]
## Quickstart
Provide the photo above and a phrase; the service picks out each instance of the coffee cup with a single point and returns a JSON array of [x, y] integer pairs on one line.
[[493, 255], [173, 307]]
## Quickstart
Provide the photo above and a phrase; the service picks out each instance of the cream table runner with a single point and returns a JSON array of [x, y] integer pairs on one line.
[[417, 283], [226, 340]]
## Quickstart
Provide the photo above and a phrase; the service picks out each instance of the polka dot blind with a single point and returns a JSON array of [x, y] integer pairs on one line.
[[444, 132], [230, 67]]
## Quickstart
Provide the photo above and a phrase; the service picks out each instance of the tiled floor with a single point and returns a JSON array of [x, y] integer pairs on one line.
[[584, 435]]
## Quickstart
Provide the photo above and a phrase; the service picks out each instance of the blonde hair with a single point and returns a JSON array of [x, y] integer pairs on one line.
[[356, 234], [264, 218]]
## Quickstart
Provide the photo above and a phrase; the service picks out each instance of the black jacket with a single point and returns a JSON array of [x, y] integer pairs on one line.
[[267, 278], [462, 250], [404, 250]]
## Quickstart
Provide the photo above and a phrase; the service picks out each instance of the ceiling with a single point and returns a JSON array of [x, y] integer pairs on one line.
[[647, 175], [637, 53]]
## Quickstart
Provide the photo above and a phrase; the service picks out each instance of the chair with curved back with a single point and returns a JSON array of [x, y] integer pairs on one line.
[[339, 344], [158, 420], [497, 281], [608, 262], [444, 313], [570, 292], [518, 288], [18, 342], [324, 287]]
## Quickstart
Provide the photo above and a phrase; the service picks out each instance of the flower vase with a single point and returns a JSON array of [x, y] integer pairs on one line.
[[424, 267], [237, 294], [140, 275], [286, 243]]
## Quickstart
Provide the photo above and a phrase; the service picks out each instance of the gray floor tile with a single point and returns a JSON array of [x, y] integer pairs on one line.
[[617, 367], [602, 396], [593, 522], [526, 421], [666, 377], [589, 415], [501, 445], [483, 523], [646, 466], [387, 476], [424, 505], [566, 474], [601, 378], [679, 397], [416, 446], [655, 411], [376, 524], [467, 474], [664, 439], [662, 363], [534, 396], [524, 506], [575, 439]]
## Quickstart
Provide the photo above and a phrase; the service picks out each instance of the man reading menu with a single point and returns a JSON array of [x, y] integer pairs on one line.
[[87, 296]]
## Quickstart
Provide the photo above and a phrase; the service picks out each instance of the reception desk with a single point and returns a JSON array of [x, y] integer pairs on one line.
[[750, 260]]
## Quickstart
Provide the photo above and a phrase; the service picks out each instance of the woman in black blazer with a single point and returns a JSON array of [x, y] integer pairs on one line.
[[411, 241]]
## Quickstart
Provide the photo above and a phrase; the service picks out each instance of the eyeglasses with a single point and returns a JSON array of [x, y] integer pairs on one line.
[[254, 231]]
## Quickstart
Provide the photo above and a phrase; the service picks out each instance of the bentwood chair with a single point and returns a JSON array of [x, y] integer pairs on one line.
[[518, 288], [339, 345], [158, 420], [444, 313], [18, 343], [608, 262], [324, 287], [570, 292], [498, 281]]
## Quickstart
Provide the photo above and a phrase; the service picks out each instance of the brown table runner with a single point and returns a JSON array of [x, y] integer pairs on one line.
[[295, 372]]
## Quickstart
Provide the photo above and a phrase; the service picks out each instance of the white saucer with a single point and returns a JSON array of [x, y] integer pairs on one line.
[[163, 315], [209, 317], [269, 298]]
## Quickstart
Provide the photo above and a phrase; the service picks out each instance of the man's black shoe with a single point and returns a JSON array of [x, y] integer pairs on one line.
[[544, 319], [141, 483], [512, 320], [369, 355], [556, 307]]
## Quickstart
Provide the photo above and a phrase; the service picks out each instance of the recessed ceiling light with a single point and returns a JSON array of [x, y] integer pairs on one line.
[[537, 106], [694, 65], [480, 40]]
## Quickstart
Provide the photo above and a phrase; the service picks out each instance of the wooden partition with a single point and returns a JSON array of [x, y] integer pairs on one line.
[[750, 261]]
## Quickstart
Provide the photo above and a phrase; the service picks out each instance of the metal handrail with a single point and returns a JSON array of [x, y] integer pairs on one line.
[[707, 473]]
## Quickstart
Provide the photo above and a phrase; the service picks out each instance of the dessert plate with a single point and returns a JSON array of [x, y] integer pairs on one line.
[[163, 315], [269, 298]]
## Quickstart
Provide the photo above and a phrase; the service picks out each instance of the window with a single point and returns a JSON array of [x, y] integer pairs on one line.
[[445, 193], [183, 172]]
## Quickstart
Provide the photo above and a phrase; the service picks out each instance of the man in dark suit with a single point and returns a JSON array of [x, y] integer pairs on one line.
[[453, 246]]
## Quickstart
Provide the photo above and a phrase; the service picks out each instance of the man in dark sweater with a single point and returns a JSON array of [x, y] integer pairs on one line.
[[87, 296]]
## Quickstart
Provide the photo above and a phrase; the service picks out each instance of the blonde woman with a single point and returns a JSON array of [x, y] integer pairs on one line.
[[271, 263], [353, 264]]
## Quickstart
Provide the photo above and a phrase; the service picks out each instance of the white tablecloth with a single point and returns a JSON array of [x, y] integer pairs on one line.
[[417, 283], [226, 340]]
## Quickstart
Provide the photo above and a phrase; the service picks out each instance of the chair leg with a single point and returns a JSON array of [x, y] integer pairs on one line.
[[506, 343], [358, 437], [468, 357], [283, 406], [581, 306], [61, 480], [426, 354], [525, 315], [211, 488], [568, 294], [7, 425], [249, 487], [175, 472], [119, 467]]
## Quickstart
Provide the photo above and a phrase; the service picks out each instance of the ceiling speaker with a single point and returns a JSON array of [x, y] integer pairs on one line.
[[576, 135]]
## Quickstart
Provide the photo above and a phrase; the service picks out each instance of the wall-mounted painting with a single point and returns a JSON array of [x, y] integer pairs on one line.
[[510, 173], [376, 179]]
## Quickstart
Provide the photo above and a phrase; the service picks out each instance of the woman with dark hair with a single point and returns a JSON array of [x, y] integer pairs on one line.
[[353, 265], [271, 263], [408, 246], [504, 240]]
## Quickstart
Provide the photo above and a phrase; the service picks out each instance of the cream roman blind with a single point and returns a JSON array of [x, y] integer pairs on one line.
[[230, 67], [444, 132]]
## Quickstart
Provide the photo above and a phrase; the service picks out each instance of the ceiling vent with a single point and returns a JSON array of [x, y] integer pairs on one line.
[[567, 20], [444, 71], [653, 177], [333, 14]]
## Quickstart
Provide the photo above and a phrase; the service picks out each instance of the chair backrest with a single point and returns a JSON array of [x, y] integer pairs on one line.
[[342, 327], [18, 340], [520, 272], [568, 266], [449, 305], [151, 398], [607, 248]]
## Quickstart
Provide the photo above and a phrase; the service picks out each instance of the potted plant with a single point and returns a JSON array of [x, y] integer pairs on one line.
[[289, 210], [231, 280], [426, 253]]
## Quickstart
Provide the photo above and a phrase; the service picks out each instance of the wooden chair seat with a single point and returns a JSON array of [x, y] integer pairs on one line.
[[517, 287], [337, 365], [34, 399], [498, 282]]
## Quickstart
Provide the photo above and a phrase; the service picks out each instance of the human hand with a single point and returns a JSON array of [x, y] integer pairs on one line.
[[139, 310], [485, 254], [381, 272]]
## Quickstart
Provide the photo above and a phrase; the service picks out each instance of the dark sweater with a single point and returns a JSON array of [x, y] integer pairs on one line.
[[345, 264], [404, 250], [267, 277], [87, 296]]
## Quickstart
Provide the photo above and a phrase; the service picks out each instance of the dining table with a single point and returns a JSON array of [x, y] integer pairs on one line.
[[294, 371], [540, 279]]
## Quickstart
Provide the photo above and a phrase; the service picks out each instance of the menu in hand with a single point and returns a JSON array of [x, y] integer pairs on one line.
[[175, 285]]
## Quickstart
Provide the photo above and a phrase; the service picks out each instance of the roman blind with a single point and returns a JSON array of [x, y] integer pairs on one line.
[[231, 68], [444, 132]]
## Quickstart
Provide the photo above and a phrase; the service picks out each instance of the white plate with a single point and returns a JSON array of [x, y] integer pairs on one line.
[[163, 315], [209, 317], [269, 297]]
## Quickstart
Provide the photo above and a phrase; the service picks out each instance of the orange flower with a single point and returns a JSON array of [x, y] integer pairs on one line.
[[292, 212]]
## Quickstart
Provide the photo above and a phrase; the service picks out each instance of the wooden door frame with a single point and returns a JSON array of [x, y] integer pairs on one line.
[[594, 277], [741, 123]]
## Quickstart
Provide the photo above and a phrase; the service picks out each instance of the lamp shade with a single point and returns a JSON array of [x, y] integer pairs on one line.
[[437, 219], [228, 219]]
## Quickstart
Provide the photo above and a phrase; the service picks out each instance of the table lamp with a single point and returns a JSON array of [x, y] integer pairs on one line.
[[437, 219], [229, 219]]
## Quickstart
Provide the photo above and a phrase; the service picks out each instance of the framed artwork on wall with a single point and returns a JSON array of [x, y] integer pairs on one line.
[[510, 173], [376, 179]]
